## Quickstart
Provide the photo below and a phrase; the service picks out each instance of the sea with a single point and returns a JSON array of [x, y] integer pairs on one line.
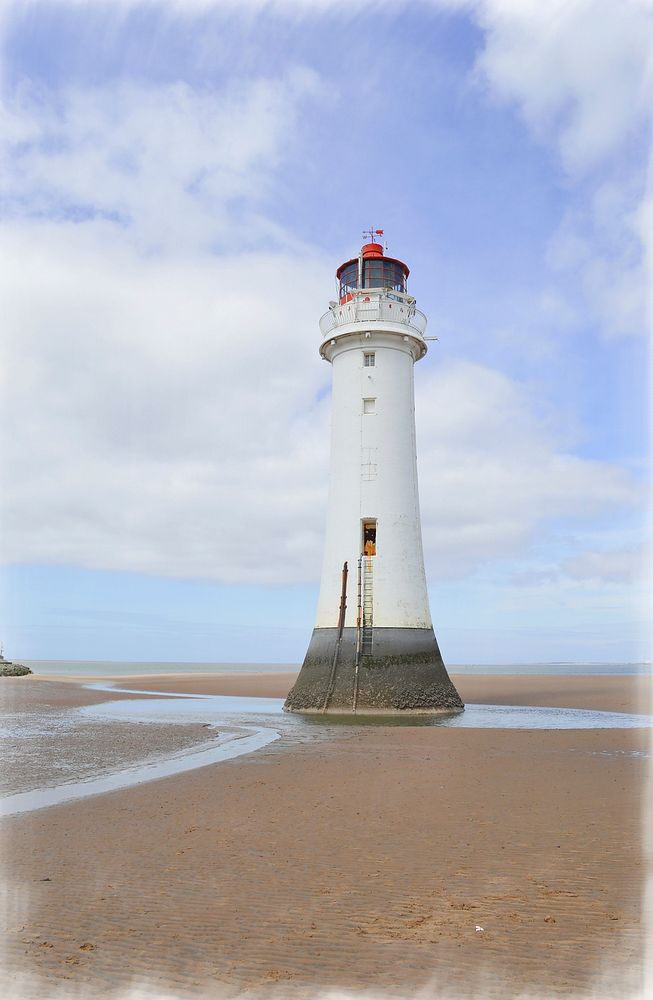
[[123, 668]]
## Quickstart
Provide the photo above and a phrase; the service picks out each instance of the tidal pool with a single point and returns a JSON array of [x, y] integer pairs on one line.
[[244, 725], [214, 708]]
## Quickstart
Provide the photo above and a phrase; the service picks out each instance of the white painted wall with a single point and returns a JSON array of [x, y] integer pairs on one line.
[[360, 441]]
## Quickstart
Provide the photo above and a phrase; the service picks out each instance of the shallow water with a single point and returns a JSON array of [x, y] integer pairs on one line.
[[248, 724], [172, 710], [220, 749], [201, 708]]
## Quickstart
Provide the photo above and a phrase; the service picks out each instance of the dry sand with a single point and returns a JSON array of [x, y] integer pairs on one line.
[[363, 861]]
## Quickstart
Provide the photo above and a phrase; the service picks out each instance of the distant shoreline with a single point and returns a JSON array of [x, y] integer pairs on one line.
[[103, 669]]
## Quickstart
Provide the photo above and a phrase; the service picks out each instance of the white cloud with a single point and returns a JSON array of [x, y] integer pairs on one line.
[[492, 475], [610, 566], [172, 165], [160, 408], [159, 401], [603, 245], [188, 9], [160, 413], [581, 76], [160, 416], [580, 72]]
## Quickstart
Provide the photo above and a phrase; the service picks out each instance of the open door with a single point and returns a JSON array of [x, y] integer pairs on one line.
[[369, 537]]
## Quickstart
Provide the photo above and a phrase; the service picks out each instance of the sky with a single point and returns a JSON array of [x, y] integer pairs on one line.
[[179, 182]]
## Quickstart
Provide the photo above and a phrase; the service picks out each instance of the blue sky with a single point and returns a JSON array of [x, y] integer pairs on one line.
[[180, 182]]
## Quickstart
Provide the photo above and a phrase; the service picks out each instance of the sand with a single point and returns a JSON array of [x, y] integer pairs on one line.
[[363, 861]]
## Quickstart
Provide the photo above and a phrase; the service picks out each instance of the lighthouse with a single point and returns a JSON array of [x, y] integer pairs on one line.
[[373, 649]]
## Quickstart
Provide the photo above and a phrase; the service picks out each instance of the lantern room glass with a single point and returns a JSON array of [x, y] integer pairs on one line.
[[378, 272]]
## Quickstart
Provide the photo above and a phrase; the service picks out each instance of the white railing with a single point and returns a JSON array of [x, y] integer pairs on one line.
[[359, 311]]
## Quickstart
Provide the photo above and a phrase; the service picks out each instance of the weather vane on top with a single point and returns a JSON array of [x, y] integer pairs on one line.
[[372, 233]]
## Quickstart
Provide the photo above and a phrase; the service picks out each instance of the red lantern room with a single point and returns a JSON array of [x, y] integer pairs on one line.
[[371, 269]]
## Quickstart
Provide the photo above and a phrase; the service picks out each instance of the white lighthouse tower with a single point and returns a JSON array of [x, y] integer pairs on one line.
[[373, 648]]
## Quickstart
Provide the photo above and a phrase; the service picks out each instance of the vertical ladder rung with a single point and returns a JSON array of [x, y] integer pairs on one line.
[[368, 607]]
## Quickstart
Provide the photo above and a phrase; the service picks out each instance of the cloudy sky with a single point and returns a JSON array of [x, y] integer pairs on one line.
[[179, 182]]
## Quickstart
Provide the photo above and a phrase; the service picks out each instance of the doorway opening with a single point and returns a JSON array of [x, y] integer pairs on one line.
[[369, 537]]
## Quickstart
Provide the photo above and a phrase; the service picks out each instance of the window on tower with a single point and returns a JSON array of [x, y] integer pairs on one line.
[[369, 405], [369, 359]]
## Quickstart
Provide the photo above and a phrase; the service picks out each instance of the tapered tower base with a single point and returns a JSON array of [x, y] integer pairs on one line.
[[404, 674]]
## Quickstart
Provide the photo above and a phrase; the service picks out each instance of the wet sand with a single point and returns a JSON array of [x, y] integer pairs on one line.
[[364, 861], [90, 748]]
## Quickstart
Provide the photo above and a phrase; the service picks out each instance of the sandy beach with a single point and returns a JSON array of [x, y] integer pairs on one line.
[[461, 862]]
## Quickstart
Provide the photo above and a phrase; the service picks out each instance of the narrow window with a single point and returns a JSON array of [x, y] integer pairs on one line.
[[369, 538], [369, 360], [369, 405]]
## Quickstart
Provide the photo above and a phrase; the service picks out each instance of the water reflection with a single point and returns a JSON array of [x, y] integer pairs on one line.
[[214, 708]]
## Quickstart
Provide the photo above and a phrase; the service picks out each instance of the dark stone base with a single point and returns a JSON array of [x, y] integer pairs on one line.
[[8, 669], [404, 673]]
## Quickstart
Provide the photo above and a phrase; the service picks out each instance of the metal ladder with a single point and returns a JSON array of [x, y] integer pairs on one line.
[[341, 624], [368, 606]]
